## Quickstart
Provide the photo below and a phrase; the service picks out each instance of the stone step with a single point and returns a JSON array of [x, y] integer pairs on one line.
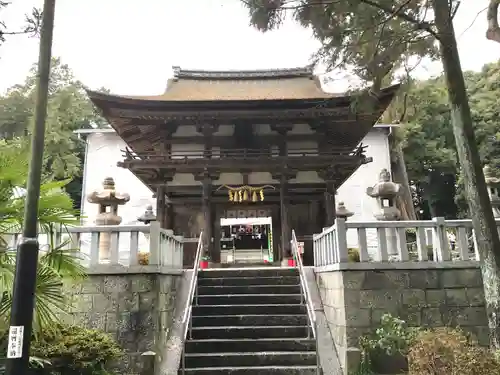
[[251, 332], [197, 360], [269, 309], [249, 320], [261, 370], [248, 289], [251, 280], [248, 272], [250, 299], [250, 345]]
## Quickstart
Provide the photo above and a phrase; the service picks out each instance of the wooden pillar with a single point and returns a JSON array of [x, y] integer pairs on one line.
[[285, 225], [215, 234], [169, 216], [329, 204], [206, 209], [161, 206], [208, 131]]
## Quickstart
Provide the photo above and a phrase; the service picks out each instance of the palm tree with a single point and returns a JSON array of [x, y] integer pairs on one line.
[[58, 261]]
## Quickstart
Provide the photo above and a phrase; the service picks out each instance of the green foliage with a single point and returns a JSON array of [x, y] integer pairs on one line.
[[76, 351], [448, 351], [374, 37], [68, 109], [57, 261], [391, 339], [428, 142]]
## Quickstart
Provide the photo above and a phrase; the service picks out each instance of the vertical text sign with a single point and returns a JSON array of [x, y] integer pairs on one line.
[[15, 348]]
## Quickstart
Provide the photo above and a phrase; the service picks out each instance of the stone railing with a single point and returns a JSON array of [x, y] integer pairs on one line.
[[437, 240], [126, 242]]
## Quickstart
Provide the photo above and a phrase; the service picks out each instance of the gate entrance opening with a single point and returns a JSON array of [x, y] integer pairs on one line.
[[246, 240]]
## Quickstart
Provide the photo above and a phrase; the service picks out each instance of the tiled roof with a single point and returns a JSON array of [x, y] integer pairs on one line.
[[298, 83]]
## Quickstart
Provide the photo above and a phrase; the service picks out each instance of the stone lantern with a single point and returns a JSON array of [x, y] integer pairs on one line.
[[148, 216], [493, 185], [342, 212], [108, 200], [386, 192]]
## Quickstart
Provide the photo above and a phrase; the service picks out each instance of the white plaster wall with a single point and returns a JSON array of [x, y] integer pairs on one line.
[[353, 191], [103, 153]]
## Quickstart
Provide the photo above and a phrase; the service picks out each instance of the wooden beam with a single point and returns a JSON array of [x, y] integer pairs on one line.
[[263, 164], [293, 199]]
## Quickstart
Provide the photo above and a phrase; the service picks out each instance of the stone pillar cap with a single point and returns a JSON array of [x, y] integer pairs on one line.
[[342, 211]]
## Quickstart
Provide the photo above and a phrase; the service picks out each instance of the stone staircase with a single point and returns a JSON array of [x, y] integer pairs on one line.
[[249, 322]]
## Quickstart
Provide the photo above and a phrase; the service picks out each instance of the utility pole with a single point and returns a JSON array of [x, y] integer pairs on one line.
[[481, 212], [23, 299]]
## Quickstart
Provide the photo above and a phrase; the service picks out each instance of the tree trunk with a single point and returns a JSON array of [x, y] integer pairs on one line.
[[400, 175], [475, 186]]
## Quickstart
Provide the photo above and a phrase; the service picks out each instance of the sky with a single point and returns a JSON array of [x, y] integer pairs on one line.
[[129, 46]]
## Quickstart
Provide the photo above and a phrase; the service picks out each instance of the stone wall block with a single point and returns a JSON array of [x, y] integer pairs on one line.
[[142, 283], [104, 302], [335, 298], [411, 315], [116, 284], [354, 334], [379, 299], [414, 297], [90, 320], [424, 279], [93, 285], [435, 297], [81, 302], [475, 296], [339, 334], [331, 280], [128, 302], [167, 284], [464, 316], [432, 317], [483, 335], [472, 316], [456, 297], [464, 278], [111, 324], [358, 317], [148, 301], [386, 280], [354, 279]]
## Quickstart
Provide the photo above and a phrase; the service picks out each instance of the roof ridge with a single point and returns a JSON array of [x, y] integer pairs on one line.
[[180, 73]]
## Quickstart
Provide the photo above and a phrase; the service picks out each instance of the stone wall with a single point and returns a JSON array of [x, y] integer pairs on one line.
[[356, 296], [134, 304]]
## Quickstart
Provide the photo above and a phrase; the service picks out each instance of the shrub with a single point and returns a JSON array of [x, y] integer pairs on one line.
[[353, 255], [385, 350], [448, 351], [72, 350]]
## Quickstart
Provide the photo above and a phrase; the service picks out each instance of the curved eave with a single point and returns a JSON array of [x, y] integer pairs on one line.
[[107, 101]]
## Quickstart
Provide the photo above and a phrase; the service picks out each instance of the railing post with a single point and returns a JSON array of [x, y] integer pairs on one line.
[[154, 243], [341, 234], [179, 251], [442, 249]]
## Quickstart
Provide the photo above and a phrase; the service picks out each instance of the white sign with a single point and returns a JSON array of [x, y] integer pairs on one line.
[[15, 347]]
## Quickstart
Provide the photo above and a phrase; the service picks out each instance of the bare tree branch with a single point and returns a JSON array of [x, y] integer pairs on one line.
[[399, 13]]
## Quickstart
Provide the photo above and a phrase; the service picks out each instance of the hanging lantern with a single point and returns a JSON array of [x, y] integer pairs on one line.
[[245, 195], [261, 193], [254, 196], [231, 196]]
